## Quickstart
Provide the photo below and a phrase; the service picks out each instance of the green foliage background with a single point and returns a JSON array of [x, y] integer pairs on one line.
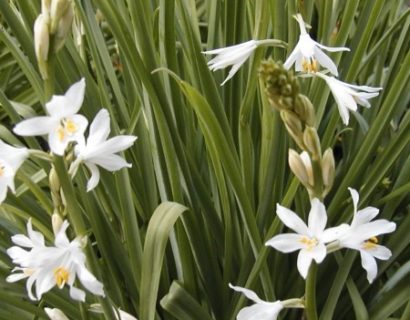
[[215, 157]]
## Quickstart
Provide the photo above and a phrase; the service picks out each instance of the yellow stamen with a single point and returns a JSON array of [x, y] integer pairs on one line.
[[60, 133], [310, 65], [314, 65], [310, 243], [371, 243], [61, 275], [70, 126]]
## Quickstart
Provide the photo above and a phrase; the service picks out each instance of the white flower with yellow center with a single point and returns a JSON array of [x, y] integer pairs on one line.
[[362, 236], [63, 125], [98, 151], [11, 159], [51, 266], [310, 239], [348, 96], [261, 310], [307, 55]]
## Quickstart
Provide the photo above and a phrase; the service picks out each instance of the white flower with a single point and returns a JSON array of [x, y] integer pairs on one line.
[[62, 125], [120, 314], [55, 314], [261, 310], [11, 159], [347, 96], [361, 235], [308, 54], [310, 239], [233, 56], [100, 151], [51, 266]]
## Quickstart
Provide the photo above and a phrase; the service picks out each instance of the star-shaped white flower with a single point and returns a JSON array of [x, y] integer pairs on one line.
[[361, 236], [310, 239], [347, 96], [11, 159], [307, 55], [261, 310], [233, 56], [52, 266], [63, 125], [98, 151]]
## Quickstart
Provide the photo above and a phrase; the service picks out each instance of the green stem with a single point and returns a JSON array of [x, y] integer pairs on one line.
[[310, 293]]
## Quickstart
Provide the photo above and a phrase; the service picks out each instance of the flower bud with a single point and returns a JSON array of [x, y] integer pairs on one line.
[[54, 181], [294, 127], [307, 162], [56, 222], [304, 108], [63, 29], [42, 43], [312, 142], [328, 169], [57, 11], [45, 6], [298, 168]]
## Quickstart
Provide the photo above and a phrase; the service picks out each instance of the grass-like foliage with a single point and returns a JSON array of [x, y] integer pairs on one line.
[[173, 224]]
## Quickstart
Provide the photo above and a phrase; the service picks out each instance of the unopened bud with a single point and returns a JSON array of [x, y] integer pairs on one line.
[[312, 142], [56, 222], [54, 180], [328, 169], [83, 241], [308, 166], [298, 168], [63, 29], [42, 43], [304, 108], [57, 11], [45, 6], [294, 127]]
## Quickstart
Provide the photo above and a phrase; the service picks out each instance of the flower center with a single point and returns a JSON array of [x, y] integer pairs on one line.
[[371, 243], [61, 275], [310, 243], [67, 127], [310, 65]]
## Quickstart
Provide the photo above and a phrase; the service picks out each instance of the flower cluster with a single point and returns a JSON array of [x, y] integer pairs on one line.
[[307, 56], [312, 239], [64, 125], [48, 267]]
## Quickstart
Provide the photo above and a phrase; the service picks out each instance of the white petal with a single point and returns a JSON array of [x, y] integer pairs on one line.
[[35, 126], [355, 198], [291, 220], [56, 145], [369, 264], [13, 156], [89, 281], [16, 277], [29, 285], [55, 314], [3, 190], [77, 294], [265, 311], [17, 254], [332, 49], [287, 242], [294, 55], [95, 176], [372, 229], [22, 240], [234, 69], [318, 252], [365, 215], [113, 145], [247, 293], [45, 281], [99, 128], [334, 233], [111, 162], [325, 61], [317, 217], [36, 237], [379, 252], [61, 106], [303, 263], [61, 240]]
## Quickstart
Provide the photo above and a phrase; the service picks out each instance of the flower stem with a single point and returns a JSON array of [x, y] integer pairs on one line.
[[310, 293]]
